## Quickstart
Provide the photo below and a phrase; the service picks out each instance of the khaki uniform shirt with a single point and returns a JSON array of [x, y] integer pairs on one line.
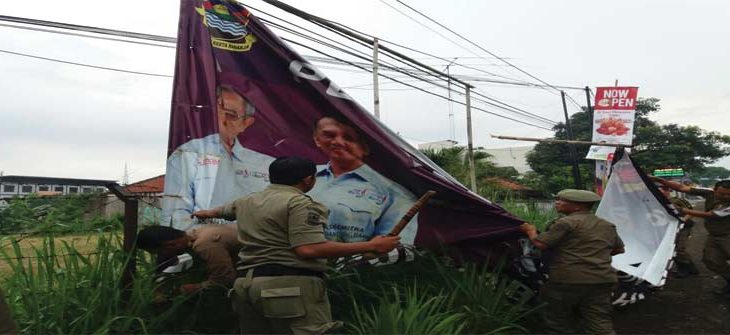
[[218, 247], [273, 222], [715, 225], [581, 244]]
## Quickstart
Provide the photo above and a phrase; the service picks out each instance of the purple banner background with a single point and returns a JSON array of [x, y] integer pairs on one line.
[[288, 107]]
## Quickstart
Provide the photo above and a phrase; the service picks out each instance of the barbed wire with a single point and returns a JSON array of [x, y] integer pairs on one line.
[[50, 256]]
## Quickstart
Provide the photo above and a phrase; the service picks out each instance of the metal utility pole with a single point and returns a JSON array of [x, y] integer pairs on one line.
[[470, 147], [376, 94], [573, 155]]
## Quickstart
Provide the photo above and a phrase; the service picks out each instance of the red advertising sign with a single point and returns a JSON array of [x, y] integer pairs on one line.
[[616, 98], [613, 120]]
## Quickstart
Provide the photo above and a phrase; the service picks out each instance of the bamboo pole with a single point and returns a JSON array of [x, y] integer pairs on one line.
[[551, 140]]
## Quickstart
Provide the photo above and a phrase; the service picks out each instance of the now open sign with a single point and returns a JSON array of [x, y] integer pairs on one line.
[[616, 98], [613, 120]]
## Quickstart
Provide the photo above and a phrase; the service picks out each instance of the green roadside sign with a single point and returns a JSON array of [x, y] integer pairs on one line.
[[668, 172]]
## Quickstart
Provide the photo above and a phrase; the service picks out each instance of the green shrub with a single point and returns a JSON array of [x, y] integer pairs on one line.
[[407, 310], [481, 299]]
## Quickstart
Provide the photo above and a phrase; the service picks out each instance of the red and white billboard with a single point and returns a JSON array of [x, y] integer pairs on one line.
[[613, 119]]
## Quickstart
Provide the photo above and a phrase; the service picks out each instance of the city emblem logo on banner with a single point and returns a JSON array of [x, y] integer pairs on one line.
[[227, 29]]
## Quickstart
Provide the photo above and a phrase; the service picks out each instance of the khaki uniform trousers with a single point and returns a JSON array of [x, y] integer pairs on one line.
[[577, 308], [683, 256], [716, 254], [282, 305]]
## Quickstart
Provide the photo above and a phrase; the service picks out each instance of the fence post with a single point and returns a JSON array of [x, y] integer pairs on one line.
[[131, 207]]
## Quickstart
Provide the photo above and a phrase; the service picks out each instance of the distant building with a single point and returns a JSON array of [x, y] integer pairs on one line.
[[20, 186], [438, 145], [514, 156], [149, 192]]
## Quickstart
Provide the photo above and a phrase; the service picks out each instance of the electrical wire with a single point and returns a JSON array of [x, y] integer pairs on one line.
[[474, 44], [85, 65], [499, 104], [85, 35], [429, 92], [167, 39], [76, 27]]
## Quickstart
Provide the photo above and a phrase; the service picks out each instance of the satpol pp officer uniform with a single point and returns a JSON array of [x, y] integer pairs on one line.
[[578, 291], [281, 287]]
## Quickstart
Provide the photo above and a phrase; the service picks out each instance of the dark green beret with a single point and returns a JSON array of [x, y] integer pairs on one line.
[[578, 195]]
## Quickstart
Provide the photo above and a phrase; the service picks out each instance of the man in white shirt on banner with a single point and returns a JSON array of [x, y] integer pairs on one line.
[[214, 170]]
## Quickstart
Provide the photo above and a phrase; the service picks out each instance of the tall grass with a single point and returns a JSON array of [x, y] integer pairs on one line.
[[57, 290], [406, 310], [539, 214], [428, 292], [59, 214]]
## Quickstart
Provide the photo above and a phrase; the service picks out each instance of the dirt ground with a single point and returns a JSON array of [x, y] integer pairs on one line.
[[683, 305]]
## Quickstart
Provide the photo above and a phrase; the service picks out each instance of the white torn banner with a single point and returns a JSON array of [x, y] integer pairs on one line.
[[645, 221]]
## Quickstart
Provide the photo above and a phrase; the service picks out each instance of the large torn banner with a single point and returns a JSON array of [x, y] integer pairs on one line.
[[219, 151], [645, 220]]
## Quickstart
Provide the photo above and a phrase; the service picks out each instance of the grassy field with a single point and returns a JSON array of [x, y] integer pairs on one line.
[[83, 243], [70, 284]]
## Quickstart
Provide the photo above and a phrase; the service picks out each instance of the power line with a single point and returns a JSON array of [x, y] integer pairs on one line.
[[474, 44], [167, 39], [85, 35], [85, 65], [425, 91], [499, 104], [103, 31], [423, 25], [452, 41]]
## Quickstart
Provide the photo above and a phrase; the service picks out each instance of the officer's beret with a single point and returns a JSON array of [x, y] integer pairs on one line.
[[578, 195]]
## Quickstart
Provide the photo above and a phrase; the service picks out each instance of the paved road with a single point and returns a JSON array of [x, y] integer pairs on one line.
[[682, 306]]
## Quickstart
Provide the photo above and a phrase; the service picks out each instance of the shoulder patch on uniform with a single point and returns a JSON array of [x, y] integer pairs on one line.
[[315, 216]]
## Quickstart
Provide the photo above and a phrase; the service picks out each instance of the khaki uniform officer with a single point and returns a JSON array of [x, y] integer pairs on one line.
[[716, 253], [216, 245], [578, 291], [281, 288], [684, 264]]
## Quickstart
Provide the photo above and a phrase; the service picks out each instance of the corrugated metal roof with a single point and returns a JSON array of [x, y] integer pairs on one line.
[[54, 181]]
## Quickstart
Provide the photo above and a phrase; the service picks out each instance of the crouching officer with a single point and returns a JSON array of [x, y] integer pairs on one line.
[[281, 287], [578, 291]]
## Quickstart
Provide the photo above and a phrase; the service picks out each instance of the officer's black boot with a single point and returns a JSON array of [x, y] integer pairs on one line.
[[686, 270], [692, 269]]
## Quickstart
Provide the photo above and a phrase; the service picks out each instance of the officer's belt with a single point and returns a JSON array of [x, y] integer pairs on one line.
[[273, 270]]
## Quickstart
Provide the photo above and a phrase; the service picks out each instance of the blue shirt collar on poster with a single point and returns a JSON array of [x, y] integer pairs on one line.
[[364, 172], [237, 152]]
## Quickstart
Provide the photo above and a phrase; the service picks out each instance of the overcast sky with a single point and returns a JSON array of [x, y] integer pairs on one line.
[[63, 120]]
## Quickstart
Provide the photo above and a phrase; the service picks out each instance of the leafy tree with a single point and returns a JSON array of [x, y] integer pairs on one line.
[[711, 174], [655, 146], [455, 162]]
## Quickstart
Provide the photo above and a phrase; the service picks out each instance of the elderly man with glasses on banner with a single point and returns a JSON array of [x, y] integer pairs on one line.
[[214, 170]]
